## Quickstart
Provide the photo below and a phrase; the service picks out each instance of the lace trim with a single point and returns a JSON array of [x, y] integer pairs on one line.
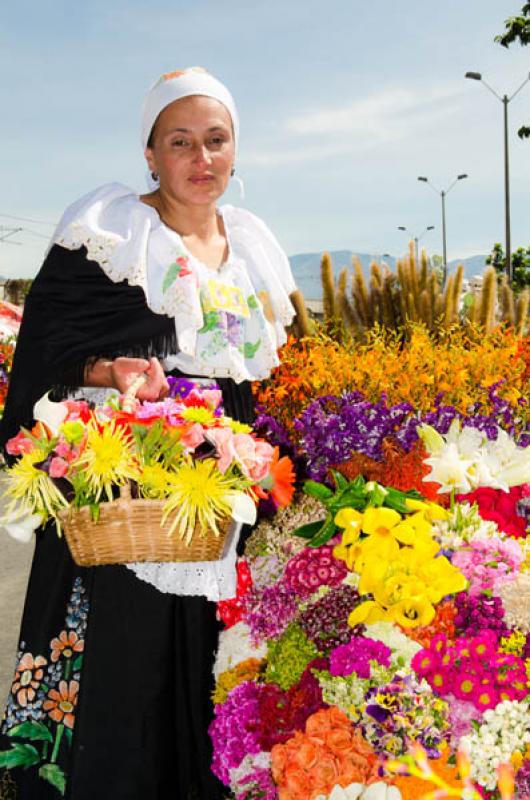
[[101, 248]]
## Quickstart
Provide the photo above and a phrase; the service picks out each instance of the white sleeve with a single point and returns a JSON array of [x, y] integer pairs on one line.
[[276, 253]]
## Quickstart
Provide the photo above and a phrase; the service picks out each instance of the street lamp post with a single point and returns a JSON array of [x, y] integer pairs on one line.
[[476, 76], [443, 194], [416, 238]]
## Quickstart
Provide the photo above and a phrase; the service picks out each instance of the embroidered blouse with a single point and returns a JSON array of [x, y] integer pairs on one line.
[[229, 322]]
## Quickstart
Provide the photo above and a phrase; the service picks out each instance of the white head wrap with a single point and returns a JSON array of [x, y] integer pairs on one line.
[[185, 83]]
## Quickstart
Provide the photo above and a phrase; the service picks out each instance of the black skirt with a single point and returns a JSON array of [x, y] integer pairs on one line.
[[111, 698]]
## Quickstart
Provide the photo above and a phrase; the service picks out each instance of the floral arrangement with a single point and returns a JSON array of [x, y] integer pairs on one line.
[[401, 617], [458, 365], [7, 349], [182, 450]]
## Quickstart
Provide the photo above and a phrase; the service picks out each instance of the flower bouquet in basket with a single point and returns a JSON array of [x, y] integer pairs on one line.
[[141, 481]]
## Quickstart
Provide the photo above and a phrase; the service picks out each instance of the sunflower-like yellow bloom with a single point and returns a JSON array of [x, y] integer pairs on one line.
[[200, 496], [108, 459], [31, 489], [155, 481], [204, 416]]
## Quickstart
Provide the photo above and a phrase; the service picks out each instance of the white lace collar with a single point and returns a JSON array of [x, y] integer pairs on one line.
[[129, 241]]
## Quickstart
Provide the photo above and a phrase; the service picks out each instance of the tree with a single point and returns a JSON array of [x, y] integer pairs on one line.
[[517, 29], [520, 265]]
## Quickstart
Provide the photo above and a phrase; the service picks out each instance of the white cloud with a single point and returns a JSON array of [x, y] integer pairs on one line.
[[359, 126]]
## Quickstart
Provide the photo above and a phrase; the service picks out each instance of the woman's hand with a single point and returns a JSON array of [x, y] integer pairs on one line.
[[120, 373]]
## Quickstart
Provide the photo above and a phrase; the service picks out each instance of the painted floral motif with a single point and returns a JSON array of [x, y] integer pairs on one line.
[[40, 713]]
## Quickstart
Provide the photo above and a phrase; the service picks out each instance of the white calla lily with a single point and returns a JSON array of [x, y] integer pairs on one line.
[[50, 413], [23, 527], [243, 508]]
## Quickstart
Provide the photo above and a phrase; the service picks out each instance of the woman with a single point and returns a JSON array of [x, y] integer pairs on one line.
[[111, 697]]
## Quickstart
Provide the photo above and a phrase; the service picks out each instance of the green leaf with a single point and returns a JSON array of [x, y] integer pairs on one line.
[[317, 490], [78, 663], [308, 531], [340, 481], [252, 301], [20, 755], [251, 349], [324, 534], [69, 735], [211, 321], [170, 276], [54, 775], [34, 731], [94, 512]]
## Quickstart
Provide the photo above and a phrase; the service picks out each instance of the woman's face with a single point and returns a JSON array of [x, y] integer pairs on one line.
[[193, 149]]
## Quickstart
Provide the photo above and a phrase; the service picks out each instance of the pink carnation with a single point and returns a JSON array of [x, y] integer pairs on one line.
[[19, 444], [489, 563], [58, 467], [193, 437]]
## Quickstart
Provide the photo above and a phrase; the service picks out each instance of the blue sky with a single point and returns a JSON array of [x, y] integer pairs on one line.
[[343, 104]]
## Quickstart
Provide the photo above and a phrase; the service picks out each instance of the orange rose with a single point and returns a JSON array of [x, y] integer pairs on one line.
[[339, 741], [307, 754], [297, 786], [323, 777], [325, 720]]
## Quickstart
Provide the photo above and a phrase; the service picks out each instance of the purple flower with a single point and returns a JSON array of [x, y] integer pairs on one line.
[[233, 731], [357, 655]]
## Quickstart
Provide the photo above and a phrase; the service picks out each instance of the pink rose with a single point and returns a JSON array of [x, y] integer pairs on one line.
[[222, 439], [193, 437], [254, 457], [58, 467]]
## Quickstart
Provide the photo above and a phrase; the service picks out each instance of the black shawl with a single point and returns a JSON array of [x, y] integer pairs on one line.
[[73, 315]]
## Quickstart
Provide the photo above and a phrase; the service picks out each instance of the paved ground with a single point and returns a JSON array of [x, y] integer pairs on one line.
[[15, 561]]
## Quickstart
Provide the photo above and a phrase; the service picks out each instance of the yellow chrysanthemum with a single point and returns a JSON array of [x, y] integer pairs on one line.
[[235, 426], [200, 496], [108, 459], [155, 481], [198, 414], [32, 488]]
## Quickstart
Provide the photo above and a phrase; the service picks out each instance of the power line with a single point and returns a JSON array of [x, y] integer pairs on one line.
[[27, 219]]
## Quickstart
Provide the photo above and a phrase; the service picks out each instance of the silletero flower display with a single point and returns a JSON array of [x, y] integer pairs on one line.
[[381, 645]]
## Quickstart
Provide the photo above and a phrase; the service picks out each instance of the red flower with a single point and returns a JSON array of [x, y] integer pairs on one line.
[[496, 505], [231, 611]]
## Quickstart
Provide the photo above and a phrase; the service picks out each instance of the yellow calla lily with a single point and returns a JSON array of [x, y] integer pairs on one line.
[[367, 613], [413, 612]]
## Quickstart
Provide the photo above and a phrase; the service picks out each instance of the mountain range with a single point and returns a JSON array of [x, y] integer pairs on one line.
[[306, 267]]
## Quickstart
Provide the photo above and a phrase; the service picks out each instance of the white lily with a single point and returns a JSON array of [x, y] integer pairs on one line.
[[451, 471], [243, 508], [23, 527], [358, 791], [50, 413]]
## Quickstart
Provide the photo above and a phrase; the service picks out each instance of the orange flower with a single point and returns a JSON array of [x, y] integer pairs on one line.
[[412, 788], [28, 676], [66, 645], [61, 704], [282, 473], [329, 753]]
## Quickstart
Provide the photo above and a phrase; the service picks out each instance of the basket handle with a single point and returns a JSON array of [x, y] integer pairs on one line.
[[130, 395], [127, 405]]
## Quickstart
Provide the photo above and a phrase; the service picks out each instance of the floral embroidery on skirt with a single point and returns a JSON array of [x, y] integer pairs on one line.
[[41, 707]]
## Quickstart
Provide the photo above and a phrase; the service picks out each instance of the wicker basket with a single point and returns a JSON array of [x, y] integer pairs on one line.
[[130, 530]]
